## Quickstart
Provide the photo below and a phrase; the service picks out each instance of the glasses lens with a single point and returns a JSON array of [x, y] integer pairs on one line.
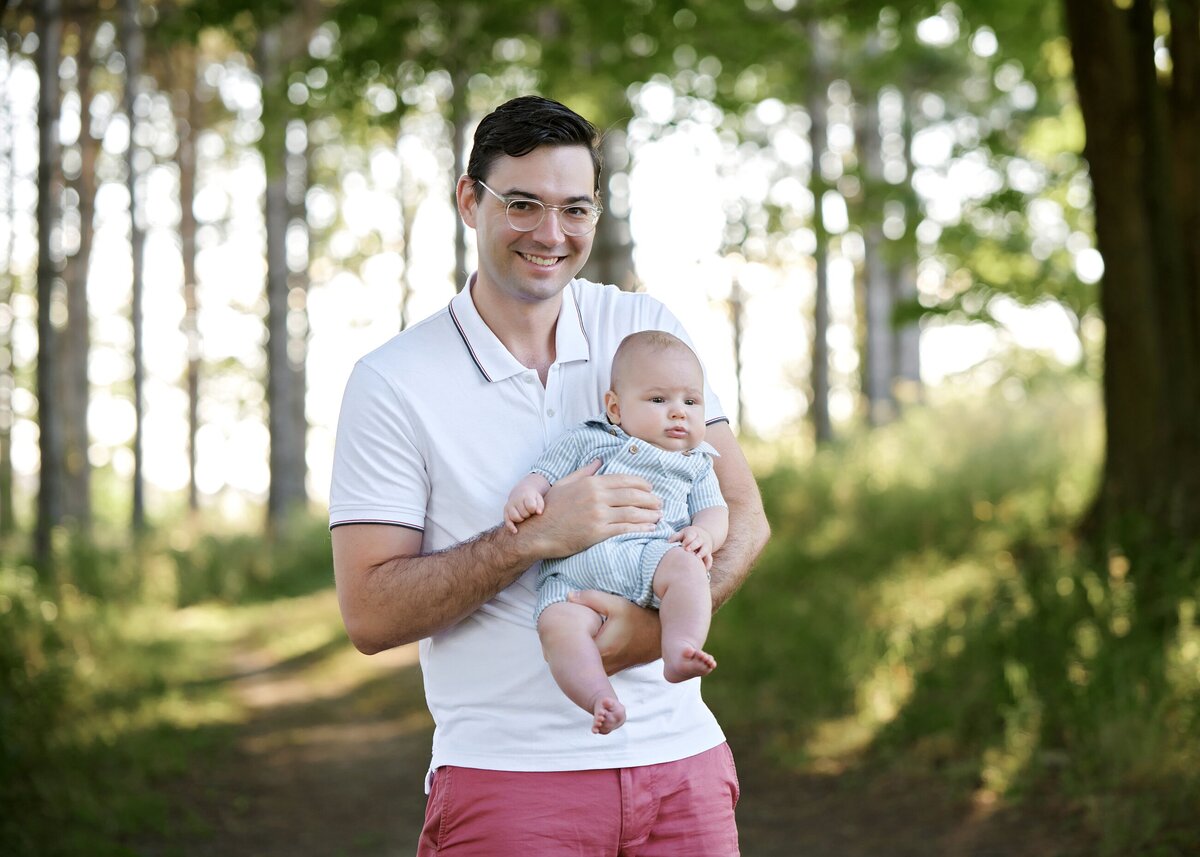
[[525, 215]]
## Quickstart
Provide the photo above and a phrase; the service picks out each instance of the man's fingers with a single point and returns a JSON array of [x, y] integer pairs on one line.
[[588, 469]]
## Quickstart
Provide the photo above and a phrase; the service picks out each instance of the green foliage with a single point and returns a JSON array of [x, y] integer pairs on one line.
[[925, 603], [108, 682]]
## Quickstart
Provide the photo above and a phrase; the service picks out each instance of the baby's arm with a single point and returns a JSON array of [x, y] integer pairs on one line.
[[706, 533], [526, 499]]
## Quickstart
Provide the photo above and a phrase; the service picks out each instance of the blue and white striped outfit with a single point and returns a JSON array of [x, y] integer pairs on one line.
[[624, 565]]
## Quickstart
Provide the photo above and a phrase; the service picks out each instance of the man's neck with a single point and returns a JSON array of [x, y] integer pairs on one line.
[[527, 330]]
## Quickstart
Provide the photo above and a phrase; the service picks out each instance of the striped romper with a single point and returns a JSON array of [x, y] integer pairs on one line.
[[624, 565]]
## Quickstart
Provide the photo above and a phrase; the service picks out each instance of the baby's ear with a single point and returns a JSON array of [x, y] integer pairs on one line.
[[612, 408]]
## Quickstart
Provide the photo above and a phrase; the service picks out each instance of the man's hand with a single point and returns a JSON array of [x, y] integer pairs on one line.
[[582, 509], [630, 635], [696, 540]]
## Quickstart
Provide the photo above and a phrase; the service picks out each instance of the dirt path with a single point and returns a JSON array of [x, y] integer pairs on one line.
[[330, 764]]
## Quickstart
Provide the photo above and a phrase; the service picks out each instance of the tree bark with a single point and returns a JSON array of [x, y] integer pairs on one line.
[[822, 424], [611, 260], [76, 338], [879, 347], [188, 120], [50, 429], [1141, 150], [284, 383], [8, 521], [133, 45]]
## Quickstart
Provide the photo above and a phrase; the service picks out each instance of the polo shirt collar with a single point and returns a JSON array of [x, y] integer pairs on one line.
[[493, 360]]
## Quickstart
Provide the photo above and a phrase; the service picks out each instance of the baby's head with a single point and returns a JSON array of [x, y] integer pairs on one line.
[[657, 391]]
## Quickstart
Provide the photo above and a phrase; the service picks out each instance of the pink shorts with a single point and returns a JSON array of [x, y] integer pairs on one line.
[[676, 809]]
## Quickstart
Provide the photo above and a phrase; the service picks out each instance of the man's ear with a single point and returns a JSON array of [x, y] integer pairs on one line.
[[464, 193], [612, 408]]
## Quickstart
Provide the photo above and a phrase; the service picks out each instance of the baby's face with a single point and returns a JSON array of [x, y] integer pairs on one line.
[[660, 399]]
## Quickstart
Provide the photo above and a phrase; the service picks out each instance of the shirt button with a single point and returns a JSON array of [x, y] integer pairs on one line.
[[633, 449], [528, 379], [550, 412]]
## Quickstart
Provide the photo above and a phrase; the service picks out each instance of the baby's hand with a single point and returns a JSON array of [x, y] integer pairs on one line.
[[697, 540], [521, 505]]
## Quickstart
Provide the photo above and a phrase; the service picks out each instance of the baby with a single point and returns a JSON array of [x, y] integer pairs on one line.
[[653, 427]]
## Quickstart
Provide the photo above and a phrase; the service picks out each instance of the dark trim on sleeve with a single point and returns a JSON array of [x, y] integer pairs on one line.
[[384, 523], [713, 422]]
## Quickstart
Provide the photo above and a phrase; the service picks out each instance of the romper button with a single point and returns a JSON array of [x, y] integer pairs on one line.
[[633, 449]]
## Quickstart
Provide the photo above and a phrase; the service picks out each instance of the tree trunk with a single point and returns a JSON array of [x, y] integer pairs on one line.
[[1142, 154], [133, 44], [76, 339], [879, 349], [8, 280], [737, 315], [287, 461], [412, 194], [902, 275], [50, 429], [188, 120], [822, 424], [612, 251], [460, 117]]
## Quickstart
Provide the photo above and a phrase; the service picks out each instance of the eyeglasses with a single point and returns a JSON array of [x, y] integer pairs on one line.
[[525, 214]]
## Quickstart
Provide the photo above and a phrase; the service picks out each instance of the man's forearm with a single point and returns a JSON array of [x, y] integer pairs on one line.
[[397, 599], [748, 528]]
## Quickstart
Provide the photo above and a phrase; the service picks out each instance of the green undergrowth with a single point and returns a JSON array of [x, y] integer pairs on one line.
[[114, 669], [924, 602]]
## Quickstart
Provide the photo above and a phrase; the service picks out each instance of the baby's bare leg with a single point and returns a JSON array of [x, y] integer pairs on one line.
[[568, 634], [681, 584]]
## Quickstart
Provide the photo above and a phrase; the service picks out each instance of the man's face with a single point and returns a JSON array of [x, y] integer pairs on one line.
[[660, 399], [529, 266]]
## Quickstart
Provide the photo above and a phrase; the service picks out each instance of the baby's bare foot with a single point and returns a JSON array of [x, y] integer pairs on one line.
[[610, 714], [690, 662]]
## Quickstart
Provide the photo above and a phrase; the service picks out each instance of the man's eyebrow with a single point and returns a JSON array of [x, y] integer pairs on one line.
[[524, 194]]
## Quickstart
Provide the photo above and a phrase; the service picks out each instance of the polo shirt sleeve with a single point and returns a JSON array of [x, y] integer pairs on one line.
[[561, 458], [706, 492], [379, 474]]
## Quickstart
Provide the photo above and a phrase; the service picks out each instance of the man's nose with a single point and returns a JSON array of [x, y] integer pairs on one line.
[[549, 231]]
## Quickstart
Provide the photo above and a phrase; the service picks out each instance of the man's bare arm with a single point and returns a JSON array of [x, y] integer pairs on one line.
[[748, 527], [390, 594]]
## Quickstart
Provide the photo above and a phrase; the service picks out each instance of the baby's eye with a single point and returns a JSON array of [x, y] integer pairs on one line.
[[658, 400], [690, 402]]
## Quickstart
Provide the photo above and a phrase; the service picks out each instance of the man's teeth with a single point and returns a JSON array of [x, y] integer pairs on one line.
[[540, 260]]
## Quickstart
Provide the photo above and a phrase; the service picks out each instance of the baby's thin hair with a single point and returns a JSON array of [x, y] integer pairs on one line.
[[655, 340]]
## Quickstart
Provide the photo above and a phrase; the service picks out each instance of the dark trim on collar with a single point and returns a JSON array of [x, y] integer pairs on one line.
[[462, 333]]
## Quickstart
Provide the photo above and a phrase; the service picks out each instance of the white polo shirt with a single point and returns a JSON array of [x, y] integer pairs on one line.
[[436, 427]]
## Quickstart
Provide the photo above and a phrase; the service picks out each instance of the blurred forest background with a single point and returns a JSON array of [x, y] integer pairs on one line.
[[944, 259]]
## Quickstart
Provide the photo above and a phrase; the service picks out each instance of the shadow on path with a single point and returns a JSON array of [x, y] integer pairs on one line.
[[332, 759]]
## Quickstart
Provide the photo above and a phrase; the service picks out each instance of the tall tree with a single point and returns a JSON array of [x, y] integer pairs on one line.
[[50, 435], [285, 377], [76, 336], [133, 42], [187, 123], [8, 280], [817, 104], [1142, 124]]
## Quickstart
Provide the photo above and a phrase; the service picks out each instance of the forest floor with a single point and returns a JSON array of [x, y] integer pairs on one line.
[[331, 757]]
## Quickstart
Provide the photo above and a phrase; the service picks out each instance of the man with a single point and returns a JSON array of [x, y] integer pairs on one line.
[[436, 427]]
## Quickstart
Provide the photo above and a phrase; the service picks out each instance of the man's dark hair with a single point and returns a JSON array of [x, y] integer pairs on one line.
[[520, 125]]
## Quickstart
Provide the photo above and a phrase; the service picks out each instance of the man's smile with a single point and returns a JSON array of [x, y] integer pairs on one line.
[[543, 261]]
